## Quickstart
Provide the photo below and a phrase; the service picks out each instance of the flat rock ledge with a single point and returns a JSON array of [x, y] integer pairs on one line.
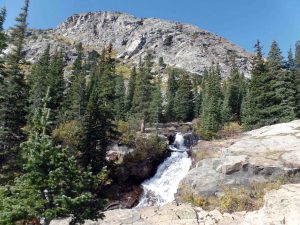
[[260, 156], [281, 207]]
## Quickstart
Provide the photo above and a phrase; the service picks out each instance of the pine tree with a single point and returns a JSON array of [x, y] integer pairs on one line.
[[120, 98], [282, 103], [197, 81], [53, 185], [78, 93], [57, 86], [226, 111], [3, 43], [257, 96], [199, 95], [143, 92], [211, 120], [184, 108], [98, 122], [246, 111], [297, 79], [290, 63], [234, 93], [156, 103], [39, 81], [171, 92], [130, 89], [13, 99]]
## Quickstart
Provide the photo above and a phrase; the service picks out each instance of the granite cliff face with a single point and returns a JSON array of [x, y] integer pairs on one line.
[[181, 45]]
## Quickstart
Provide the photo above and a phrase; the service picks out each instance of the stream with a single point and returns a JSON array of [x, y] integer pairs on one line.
[[162, 187]]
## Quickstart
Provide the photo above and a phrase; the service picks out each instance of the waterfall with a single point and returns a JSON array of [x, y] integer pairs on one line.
[[162, 187]]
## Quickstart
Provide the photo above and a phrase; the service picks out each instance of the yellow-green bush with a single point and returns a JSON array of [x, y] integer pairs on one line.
[[230, 129], [69, 133], [127, 135], [236, 200], [146, 147], [207, 203]]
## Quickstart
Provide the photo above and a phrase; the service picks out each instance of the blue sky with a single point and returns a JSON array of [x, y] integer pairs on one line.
[[240, 21]]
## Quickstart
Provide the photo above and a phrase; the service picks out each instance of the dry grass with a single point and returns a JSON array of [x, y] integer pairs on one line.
[[233, 199], [210, 149]]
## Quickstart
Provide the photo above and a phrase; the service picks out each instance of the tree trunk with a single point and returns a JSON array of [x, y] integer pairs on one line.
[[142, 126]]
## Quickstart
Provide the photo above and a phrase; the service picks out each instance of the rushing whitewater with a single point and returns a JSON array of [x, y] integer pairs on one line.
[[161, 188]]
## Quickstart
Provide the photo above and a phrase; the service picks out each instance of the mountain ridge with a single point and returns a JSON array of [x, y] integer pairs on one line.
[[180, 44]]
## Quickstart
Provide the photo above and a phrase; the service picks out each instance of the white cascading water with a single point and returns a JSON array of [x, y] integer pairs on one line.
[[161, 188]]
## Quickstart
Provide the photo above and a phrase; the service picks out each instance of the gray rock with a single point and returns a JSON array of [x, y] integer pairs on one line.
[[232, 164], [181, 45], [280, 207], [259, 156]]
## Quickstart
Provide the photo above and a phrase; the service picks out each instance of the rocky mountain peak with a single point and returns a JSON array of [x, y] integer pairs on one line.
[[180, 45]]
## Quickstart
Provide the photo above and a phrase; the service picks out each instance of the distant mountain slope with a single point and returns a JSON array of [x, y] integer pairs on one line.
[[180, 45]]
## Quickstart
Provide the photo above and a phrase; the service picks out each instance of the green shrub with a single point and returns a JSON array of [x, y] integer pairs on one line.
[[207, 203], [68, 134], [236, 200], [230, 130], [127, 135], [145, 147]]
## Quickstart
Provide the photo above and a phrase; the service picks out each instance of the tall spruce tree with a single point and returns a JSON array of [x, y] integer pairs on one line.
[[234, 93], [200, 94], [184, 106], [13, 99], [53, 185], [39, 81], [257, 96], [226, 110], [98, 122], [143, 92], [197, 81], [57, 85], [246, 110], [78, 93], [120, 97], [3, 43], [131, 89], [297, 78], [281, 93], [171, 93], [211, 120], [156, 103]]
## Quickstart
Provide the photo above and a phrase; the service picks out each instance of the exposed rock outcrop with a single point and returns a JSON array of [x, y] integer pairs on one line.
[[181, 45], [263, 155], [281, 207]]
